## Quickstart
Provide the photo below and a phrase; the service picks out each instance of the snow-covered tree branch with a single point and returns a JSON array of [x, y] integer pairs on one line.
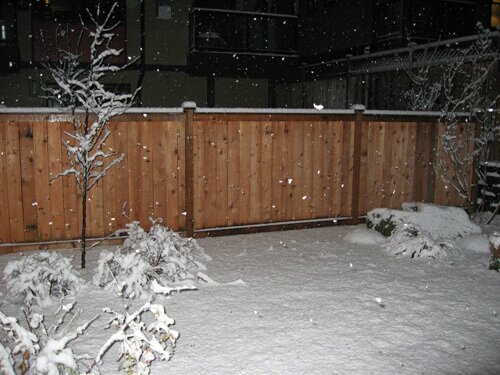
[[80, 88], [466, 102]]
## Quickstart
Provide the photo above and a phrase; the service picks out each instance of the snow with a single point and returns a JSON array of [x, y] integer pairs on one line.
[[318, 304]]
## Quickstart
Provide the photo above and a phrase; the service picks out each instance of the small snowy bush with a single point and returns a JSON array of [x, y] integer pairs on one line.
[[142, 342], [437, 221], [421, 230], [23, 346], [159, 254], [40, 350], [408, 240], [40, 277]]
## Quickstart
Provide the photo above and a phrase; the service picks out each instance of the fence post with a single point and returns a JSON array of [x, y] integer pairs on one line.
[[189, 108], [356, 166]]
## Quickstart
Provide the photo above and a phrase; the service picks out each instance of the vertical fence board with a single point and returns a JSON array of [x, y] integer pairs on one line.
[[266, 168], [318, 172], [222, 176], [363, 170], [210, 172], [255, 172], [147, 203], [42, 180], [173, 211], [133, 156], [233, 172], [28, 181], [245, 171], [199, 177], [346, 169], [110, 210], [278, 176], [71, 194], [4, 188], [181, 157], [56, 185], [336, 154], [121, 176], [15, 184], [161, 193], [308, 170]]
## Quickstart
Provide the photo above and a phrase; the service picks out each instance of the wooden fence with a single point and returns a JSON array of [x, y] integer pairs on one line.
[[202, 170]]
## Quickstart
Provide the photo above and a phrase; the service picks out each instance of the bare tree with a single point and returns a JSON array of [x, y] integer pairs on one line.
[[78, 86], [462, 95]]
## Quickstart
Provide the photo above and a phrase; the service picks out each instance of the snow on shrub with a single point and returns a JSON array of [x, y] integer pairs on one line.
[[408, 240], [38, 349], [38, 278], [437, 221], [141, 343], [421, 230], [159, 254]]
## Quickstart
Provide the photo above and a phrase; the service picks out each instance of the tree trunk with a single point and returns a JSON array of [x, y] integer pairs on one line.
[[83, 238]]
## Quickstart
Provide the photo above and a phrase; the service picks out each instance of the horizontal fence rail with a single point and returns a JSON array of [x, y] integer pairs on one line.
[[203, 170]]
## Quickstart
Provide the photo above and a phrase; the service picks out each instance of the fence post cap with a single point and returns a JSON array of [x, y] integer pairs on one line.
[[188, 105], [358, 107]]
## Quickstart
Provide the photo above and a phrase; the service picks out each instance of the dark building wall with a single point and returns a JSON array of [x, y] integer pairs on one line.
[[332, 26], [332, 29]]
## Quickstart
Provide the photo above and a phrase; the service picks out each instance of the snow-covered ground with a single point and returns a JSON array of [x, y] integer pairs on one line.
[[316, 303]]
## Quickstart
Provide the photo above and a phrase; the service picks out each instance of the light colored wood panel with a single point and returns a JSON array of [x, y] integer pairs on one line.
[[245, 171], [233, 174], [199, 174], [337, 161], [42, 180], [255, 172], [173, 211], [133, 156], [121, 176], [308, 171], [71, 194], [297, 132], [161, 185], [347, 165], [363, 171], [147, 203], [278, 175], [28, 181], [4, 189], [56, 184], [222, 174], [266, 180]]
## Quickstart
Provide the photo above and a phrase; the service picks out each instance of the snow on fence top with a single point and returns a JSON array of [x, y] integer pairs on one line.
[[270, 111]]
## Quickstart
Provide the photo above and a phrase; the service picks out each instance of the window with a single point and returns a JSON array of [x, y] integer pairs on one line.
[[495, 13], [388, 19], [459, 18], [164, 9]]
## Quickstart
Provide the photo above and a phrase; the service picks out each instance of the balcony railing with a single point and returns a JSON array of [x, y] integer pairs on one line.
[[217, 30]]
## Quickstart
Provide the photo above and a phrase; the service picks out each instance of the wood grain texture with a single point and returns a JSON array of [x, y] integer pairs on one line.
[[247, 169]]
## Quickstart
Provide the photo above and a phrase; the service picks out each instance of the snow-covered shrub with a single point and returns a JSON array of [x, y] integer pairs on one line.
[[142, 342], [40, 350], [408, 240], [38, 278], [437, 221], [23, 346], [159, 254], [421, 230], [495, 250]]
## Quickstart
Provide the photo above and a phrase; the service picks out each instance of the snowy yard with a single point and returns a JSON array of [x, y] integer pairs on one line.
[[314, 303]]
